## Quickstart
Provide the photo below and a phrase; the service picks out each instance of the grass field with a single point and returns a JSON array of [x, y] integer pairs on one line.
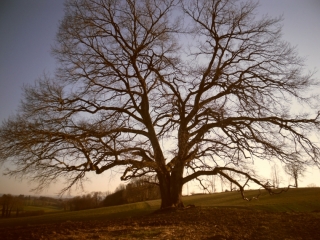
[[46, 209], [295, 200]]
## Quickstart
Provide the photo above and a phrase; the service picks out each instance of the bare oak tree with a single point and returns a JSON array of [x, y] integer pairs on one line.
[[180, 89], [295, 170]]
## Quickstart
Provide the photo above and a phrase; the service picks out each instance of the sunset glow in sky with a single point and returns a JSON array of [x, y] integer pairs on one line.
[[28, 29]]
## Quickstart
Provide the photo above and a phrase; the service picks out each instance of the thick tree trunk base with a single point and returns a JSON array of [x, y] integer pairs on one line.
[[173, 209], [173, 205]]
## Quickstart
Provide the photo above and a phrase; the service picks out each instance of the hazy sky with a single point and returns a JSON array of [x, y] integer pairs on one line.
[[27, 31]]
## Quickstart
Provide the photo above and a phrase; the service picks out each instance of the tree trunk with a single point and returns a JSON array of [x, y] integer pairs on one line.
[[171, 188], [176, 185], [164, 184], [3, 210]]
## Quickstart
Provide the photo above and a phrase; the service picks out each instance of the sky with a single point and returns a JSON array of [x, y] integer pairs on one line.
[[28, 29]]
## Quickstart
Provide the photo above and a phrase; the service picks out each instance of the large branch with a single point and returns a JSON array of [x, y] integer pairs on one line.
[[221, 171]]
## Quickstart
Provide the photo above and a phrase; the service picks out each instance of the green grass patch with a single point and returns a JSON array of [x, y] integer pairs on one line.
[[295, 200], [46, 209], [106, 213]]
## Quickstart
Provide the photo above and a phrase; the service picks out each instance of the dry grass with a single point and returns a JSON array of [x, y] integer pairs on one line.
[[192, 223]]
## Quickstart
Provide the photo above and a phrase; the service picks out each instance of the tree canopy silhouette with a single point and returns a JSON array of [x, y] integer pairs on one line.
[[180, 89]]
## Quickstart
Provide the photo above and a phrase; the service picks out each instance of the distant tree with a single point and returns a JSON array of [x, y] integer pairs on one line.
[[312, 185], [142, 189], [116, 198], [295, 170], [86, 201], [7, 203], [11, 204], [232, 175], [209, 184], [139, 189], [275, 176], [97, 198], [180, 89], [19, 204], [212, 184]]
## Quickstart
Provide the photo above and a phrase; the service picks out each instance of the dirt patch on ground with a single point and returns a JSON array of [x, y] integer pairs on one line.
[[192, 223]]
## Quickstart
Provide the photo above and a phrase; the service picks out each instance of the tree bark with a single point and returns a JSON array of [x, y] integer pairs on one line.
[[164, 184], [171, 188], [176, 186], [296, 181]]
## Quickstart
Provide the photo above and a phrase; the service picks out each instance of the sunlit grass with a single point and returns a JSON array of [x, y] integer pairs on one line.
[[298, 200]]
